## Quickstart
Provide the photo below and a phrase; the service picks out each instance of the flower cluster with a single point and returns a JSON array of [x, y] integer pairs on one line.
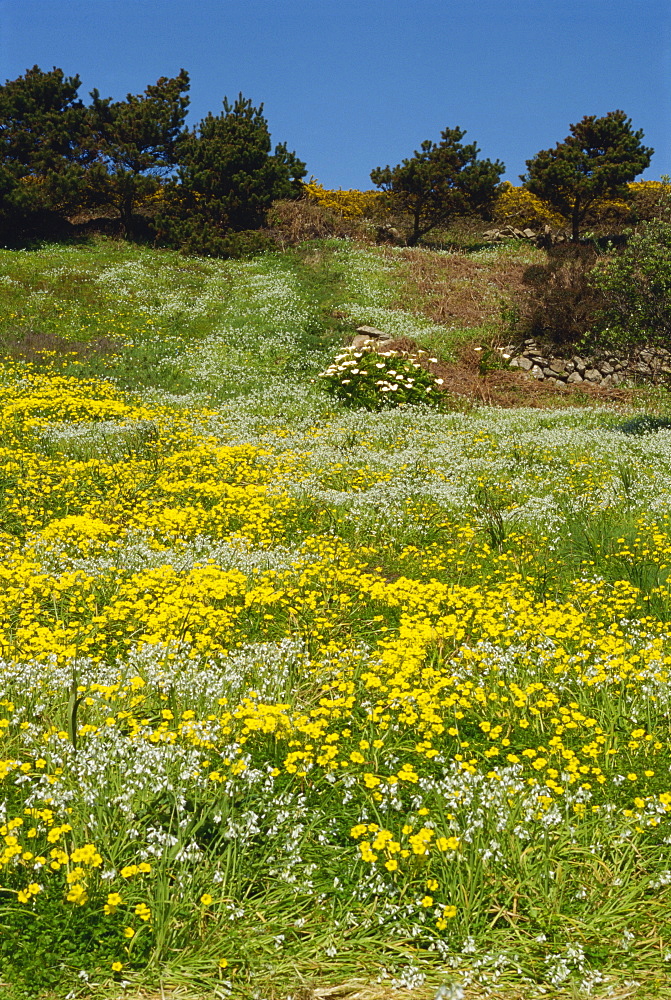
[[374, 380]]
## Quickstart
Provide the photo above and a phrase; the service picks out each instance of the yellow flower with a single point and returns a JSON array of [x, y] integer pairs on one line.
[[113, 901], [117, 966], [128, 932], [206, 899], [77, 894]]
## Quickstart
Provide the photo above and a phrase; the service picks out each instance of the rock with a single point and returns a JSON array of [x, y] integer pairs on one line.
[[574, 377], [371, 331], [646, 356], [642, 368], [592, 375], [557, 365], [529, 233], [606, 368], [569, 367], [579, 363], [521, 362], [537, 372], [361, 341], [388, 234]]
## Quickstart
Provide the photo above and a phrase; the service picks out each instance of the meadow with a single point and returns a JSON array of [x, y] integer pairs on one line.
[[298, 700]]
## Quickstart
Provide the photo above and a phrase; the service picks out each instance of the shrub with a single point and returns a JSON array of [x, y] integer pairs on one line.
[[610, 212], [515, 206], [650, 200], [374, 381], [293, 222], [636, 287], [203, 239], [349, 204], [562, 304], [644, 423]]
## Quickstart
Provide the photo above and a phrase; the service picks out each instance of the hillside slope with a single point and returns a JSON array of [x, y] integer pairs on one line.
[[304, 701]]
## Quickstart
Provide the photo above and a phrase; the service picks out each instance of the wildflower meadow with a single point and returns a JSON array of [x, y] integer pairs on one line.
[[296, 695]]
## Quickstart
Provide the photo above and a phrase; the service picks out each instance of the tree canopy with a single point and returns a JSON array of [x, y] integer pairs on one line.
[[44, 143], [595, 161], [137, 141], [439, 181], [228, 177]]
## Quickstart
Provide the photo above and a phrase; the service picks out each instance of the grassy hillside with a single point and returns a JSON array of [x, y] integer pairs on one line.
[[297, 700]]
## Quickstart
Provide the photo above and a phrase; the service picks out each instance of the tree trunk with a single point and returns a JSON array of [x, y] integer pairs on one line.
[[416, 230], [126, 212], [575, 221]]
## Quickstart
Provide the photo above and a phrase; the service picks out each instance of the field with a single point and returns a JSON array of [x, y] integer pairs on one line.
[[304, 701]]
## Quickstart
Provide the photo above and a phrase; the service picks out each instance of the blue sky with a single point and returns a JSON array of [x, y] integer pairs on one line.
[[355, 84]]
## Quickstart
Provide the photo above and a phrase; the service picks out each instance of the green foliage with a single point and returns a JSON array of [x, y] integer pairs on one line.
[[595, 161], [375, 381], [636, 285], [227, 180], [137, 141], [643, 423], [439, 181], [43, 145]]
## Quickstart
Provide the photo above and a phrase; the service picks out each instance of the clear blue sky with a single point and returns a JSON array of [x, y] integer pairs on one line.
[[355, 84]]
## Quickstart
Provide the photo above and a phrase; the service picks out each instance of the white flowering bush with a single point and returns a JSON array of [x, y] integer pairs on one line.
[[374, 380]]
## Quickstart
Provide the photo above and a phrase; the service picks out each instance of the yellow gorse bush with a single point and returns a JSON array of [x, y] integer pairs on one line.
[[515, 206], [349, 203]]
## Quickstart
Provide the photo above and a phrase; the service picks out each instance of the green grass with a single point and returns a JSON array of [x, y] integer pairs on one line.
[[364, 554]]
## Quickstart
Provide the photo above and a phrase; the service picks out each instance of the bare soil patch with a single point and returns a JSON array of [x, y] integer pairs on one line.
[[40, 348]]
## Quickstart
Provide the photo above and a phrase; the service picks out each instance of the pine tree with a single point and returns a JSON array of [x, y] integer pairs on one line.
[[595, 161], [439, 181], [138, 141], [44, 145], [227, 179]]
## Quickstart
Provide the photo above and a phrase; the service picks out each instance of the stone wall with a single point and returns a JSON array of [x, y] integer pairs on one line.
[[651, 364]]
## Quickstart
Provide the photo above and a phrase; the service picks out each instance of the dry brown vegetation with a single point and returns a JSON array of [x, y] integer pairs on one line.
[[464, 290], [468, 381]]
